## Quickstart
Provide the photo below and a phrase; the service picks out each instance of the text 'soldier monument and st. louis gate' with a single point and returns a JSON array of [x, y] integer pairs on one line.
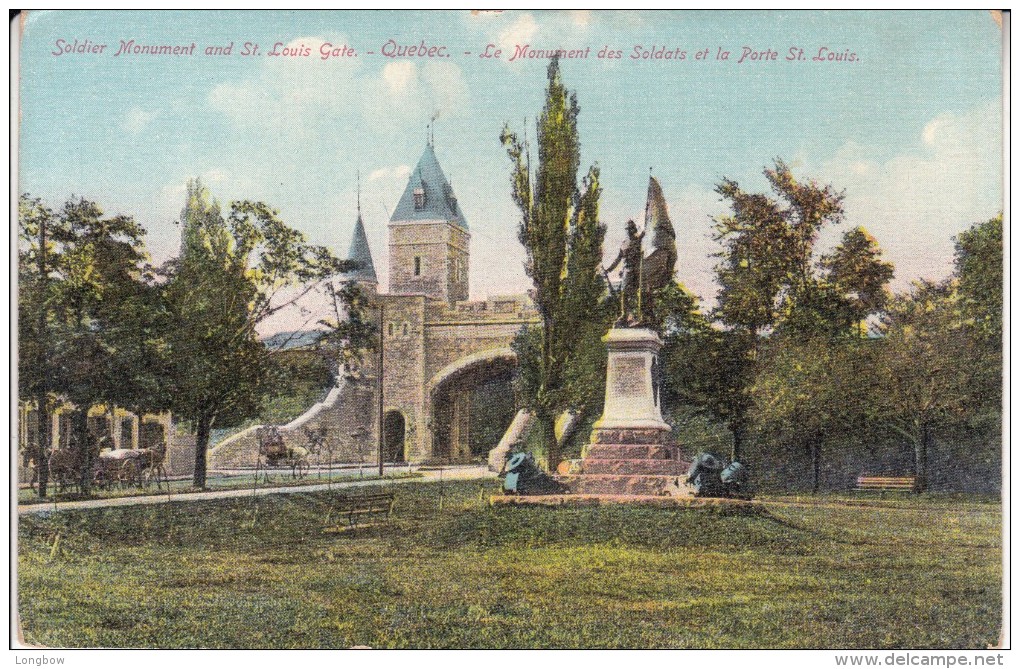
[[438, 346]]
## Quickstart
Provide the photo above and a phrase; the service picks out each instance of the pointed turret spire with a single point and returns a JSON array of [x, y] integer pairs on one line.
[[359, 251], [428, 195]]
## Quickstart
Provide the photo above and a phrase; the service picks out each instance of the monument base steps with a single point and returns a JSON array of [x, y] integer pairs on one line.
[[634, 466], [627, 484], [632, 452], [740, 506]]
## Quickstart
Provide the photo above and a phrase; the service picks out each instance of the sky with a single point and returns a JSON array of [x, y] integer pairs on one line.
[[910, 127]]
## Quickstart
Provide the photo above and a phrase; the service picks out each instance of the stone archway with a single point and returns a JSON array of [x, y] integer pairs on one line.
[[394, 433], [467, 400]]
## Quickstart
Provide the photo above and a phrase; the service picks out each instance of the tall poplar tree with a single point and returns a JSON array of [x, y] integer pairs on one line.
[[562, 235]]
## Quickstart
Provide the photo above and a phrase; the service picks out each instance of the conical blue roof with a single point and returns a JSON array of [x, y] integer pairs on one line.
[[360, 253], [439, 201]]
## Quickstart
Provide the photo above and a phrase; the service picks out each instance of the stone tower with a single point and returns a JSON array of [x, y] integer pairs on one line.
[[429, 237]]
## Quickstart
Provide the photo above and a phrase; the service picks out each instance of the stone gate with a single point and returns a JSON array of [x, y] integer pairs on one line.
[[436, 345]]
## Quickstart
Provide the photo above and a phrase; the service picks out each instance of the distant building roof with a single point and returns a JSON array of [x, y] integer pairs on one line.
[[360, 253], [428, 196]]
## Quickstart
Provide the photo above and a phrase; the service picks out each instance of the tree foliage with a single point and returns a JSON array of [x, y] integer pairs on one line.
[[351, 334], [228, 277], [941, 363], [858, 277], [91, 311], [979, 268], [808, 390], [562, 235], [706, 367]]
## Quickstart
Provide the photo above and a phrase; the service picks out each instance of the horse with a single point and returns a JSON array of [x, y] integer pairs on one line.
[[316, 440], [150, 460], [65, 467]]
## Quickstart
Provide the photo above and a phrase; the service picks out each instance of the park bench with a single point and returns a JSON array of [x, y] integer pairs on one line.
[[883, 484], [356, 508]]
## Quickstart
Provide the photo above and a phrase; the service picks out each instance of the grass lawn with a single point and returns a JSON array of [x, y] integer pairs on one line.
[[244, 573]]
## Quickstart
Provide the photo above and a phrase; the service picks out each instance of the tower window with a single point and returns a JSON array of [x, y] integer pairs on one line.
[[419, 198], [417, 265], [391, 329]]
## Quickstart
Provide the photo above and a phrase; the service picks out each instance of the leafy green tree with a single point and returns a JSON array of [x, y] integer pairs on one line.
[[808, 208], [766, 273], [104, 269], [941, 363], [808, 391], [708, 368], [768, 285], [859, 277], [979, 276], [350, 333], [587, 310], [226, 281], [925, 369], [979, 268], [755, 260], [562, 236], [38, 263], [94, 319]]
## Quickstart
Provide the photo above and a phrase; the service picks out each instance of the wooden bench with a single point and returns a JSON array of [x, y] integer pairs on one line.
[[357, 507], [867, 483]]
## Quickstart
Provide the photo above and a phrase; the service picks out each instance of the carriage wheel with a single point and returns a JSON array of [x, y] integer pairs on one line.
[[128, 474], [100, 479]]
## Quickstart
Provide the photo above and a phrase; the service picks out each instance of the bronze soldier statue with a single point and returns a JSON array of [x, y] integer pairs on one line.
[[644, 276], [630, 255]]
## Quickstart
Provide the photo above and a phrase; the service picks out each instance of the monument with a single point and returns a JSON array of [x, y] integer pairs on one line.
[[631, 450]]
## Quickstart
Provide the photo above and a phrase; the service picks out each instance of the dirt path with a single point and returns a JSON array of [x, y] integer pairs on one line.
[[447, 474]]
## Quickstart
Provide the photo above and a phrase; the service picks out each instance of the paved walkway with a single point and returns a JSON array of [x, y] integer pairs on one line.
[[447, 474]]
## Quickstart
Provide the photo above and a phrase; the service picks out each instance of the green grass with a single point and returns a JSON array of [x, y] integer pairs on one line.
[[246, 573]]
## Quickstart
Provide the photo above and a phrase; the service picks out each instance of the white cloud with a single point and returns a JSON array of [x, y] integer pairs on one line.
[[521, 31], [446, 87], [399, 172], [915, 202], [399, 75], [292, 96], [285, 89], [582, 17], [137, 119]]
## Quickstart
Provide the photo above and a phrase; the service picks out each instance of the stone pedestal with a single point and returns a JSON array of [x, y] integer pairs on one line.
[[631, 452]]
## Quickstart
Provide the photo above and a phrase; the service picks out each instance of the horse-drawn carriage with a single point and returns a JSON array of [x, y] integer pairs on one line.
[[274, 452], [129, 467], [124, 467]]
